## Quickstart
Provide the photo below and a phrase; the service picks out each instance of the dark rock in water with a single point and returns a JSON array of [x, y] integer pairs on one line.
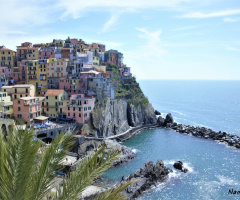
[[185, 170], [178, 165], [147, 176], [160, 121], [157, 112], [168, 119]]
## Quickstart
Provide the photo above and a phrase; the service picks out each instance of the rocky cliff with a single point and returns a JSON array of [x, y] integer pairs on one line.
[[129, 108], [116, 116]]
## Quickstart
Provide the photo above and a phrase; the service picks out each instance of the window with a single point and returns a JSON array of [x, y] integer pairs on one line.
[[18, 101], [46, 97], [47, 109], [89, 108], [19, 108], [68, 108], [56, 109], [79, 109], [68, 114], [73, 108], [79, 114], [55, 97], [73, 114]]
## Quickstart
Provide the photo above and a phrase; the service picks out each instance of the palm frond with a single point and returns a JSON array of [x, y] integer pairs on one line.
[[88, 170], [48, 161], [114, 193], [18, 154]]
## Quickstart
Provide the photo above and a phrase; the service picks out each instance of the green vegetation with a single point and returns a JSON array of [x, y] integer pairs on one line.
[[27, 169], [128, 90]]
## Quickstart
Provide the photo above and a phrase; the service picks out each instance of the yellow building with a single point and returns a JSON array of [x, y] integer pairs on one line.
[[54, 103], [95, 60], [57, 67], [32, 72], [8, 58], [32, 53], [59, 43], [42, 78], [6, 105]]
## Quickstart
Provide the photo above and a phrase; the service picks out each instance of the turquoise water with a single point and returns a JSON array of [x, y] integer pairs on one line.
[[213, 168]]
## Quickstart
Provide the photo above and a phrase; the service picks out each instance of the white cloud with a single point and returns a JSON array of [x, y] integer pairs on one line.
[[212, 14], [228, 19], [152, 50], [74, 8], [110, 23]]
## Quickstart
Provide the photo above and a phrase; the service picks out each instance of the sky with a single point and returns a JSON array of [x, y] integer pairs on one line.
[[160, 39]]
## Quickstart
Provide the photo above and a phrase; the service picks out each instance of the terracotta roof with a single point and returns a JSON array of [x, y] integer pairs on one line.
[[53, 92], [6, 49]]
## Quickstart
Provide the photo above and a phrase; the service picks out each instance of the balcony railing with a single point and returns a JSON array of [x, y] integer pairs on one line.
[[31, 104]]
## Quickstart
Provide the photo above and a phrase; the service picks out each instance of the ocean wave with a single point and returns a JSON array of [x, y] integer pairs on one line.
[[135, 150], [185, 165], [226, 181], [178, 112]]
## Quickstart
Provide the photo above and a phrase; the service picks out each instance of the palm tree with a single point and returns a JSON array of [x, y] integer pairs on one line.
[[27, 169]]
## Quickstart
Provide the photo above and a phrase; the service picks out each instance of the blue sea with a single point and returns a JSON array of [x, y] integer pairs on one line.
[[214, 168]]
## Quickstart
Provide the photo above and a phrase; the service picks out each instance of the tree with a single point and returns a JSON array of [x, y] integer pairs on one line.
[[27, 169]]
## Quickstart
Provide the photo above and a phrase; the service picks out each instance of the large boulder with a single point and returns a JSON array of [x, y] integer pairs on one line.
[[179, 165], [160, 121], [168, 119], [157, 112], [146, 177]]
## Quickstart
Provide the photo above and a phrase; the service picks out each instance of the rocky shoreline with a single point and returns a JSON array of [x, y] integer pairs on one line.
[[146, 177], [201, 132]]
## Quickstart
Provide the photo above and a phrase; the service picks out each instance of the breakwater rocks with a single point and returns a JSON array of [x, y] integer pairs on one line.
[[146, 177], [126, 153], [202, 132]]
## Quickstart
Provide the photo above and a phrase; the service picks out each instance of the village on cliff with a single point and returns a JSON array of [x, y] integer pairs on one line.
[[60, 81]]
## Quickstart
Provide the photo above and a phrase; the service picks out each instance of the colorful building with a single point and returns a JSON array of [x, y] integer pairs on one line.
[[80, 107], [59, 43], [19, 74], [46, 53], [3, 80], [54, 98], [6, 70], [7, 58], [56, 68], [27, 109], [19, 91], [6, 105]]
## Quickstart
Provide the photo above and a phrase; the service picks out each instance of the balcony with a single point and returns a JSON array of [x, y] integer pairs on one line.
[[50, 106], [31, 104], [33, 111]]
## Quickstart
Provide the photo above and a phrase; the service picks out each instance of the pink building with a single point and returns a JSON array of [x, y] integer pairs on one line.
[[27, 109], [46, 53], [19, 74], [80, 107], [6, 70], [74, 41]]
